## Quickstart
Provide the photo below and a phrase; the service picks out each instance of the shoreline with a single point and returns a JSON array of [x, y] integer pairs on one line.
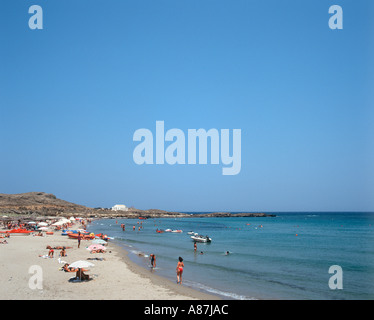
[[160, 280], [115, 278], [165, 280]]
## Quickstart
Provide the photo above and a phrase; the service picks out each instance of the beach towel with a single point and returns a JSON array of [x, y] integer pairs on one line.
[[61, 261]]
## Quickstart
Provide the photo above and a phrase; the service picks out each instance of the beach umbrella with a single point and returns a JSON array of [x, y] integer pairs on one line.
[[58, 223], [96, 247], [31, 222], [42, 224], [43, 229], [81, 264], [72, 219]]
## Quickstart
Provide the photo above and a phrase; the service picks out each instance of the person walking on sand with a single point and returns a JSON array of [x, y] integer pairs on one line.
[[180, 267], [79, 239]]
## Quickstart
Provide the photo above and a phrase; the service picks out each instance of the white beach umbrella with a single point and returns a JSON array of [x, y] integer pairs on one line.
[[72, 219], [31, 222], [99, 241], [81, 264], [43, 228], [42, 224]]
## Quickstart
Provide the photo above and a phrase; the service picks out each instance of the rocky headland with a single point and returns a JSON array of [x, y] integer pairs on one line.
[[34, 204]]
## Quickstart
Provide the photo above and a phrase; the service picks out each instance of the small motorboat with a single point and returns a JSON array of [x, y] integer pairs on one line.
[[173, 231], [200, 238]]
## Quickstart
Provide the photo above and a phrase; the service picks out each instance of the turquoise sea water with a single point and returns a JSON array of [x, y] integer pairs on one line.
[[282, 257]]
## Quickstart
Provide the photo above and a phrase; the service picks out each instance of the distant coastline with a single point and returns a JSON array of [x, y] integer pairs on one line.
[[33, 204]]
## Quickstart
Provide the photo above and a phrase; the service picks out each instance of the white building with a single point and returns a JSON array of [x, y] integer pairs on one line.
[[120, 207]]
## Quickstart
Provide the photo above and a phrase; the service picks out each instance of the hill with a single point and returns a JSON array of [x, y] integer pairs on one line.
[[47, 204], [38, 203]]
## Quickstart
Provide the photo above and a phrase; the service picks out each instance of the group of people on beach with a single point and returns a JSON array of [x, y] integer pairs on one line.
[[52, 251], [179, 269], [152, 257], [180, 264]]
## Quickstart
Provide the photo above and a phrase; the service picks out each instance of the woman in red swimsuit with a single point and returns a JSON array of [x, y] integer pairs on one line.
[[180, 267]]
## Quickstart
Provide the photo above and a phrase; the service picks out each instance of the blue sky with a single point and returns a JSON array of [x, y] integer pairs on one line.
[[73, 94]]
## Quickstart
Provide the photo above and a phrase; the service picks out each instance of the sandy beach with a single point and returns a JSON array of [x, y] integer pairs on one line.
[[116, 277]]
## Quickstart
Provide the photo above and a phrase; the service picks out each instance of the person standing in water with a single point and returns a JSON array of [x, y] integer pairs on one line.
[[194, 246], [153, 260], [180, 267]]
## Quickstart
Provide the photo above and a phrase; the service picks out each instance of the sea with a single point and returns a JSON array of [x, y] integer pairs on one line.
[[292, 256]]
